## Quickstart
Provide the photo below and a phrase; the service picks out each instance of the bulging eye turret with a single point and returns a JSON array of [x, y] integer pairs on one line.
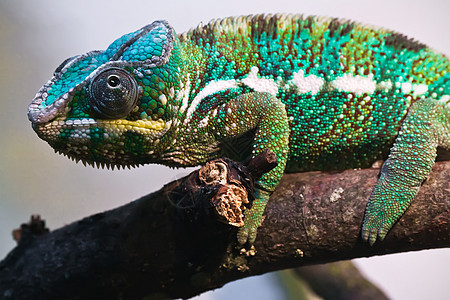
[[113, 93]]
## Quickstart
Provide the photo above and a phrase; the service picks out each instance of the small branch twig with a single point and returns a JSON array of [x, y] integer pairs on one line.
[[338, 281]]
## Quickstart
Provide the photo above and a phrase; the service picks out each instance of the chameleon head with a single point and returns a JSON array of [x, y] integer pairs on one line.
[[113, 107]]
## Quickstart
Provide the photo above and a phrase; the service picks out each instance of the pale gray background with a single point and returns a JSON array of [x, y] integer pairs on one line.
[[36, 36]]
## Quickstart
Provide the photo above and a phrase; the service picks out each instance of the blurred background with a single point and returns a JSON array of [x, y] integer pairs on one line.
[[36, 36]]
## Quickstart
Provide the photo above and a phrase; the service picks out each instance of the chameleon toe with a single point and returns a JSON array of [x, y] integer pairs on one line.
[[242, 236]]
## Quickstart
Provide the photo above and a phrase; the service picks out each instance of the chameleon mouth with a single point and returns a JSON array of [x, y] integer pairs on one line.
[[82, 128], [101, 143]]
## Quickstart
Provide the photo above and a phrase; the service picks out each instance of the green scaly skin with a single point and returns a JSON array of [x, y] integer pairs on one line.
[[321, 93]]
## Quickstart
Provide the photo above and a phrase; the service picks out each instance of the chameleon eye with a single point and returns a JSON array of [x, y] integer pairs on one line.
[[113, 93]]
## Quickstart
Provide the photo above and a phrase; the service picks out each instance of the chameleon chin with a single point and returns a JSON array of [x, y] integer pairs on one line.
[[321, 93]]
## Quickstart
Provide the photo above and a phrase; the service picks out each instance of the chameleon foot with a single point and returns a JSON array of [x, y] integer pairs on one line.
[[389, 200], [375, 228], [253, 218], [247, 234], [409, 163]]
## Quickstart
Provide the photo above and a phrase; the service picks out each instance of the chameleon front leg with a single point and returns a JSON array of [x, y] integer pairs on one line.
[[426, 127], [267, 116]]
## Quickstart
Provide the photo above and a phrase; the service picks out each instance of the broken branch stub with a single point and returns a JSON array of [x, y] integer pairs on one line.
[[234, 183]]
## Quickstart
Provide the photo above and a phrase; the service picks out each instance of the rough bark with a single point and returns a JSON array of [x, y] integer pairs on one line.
[[168, 244]]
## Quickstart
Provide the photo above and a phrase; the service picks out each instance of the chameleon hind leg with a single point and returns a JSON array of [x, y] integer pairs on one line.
[[426, 126], [266, 115]]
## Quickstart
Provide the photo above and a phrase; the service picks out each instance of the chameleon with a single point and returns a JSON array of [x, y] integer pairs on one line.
[[322, 93]]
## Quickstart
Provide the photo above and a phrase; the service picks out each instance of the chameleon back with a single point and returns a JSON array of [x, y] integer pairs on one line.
[[347, 87]]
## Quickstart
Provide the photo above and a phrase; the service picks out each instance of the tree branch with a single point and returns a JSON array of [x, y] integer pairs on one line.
[[169, 244], [337, 280]]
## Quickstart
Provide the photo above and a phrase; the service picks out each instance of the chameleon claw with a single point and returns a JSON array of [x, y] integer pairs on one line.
[[251, 236], [373, 231], [372, 237], [369, 235], [382, 232], [246, 235], [242, 236], [364, 233]]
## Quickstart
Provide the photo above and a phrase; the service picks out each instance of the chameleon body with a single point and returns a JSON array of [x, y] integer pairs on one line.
[[322, 93]]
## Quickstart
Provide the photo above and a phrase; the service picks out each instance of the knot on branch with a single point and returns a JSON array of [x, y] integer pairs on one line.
[[34, 227]]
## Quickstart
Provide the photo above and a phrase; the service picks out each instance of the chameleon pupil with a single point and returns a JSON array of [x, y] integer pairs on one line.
[[113, 81]]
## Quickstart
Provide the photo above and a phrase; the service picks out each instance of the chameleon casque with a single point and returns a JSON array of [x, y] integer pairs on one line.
[[322, 93]]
